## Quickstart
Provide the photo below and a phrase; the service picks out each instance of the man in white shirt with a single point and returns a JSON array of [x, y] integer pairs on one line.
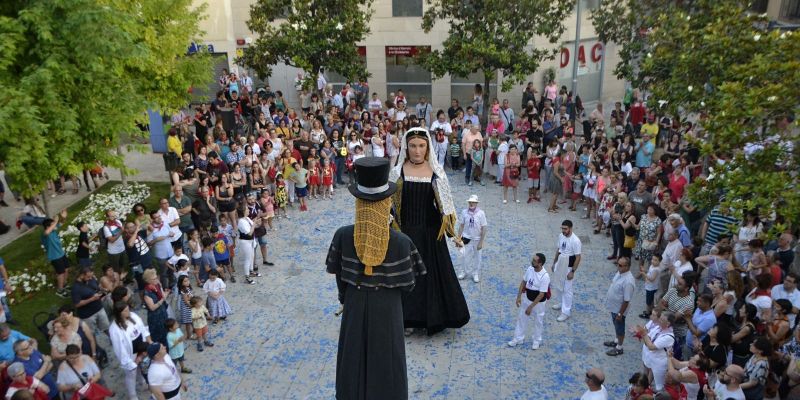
[[472, 232], [594, 380], [375, 104], [112, 231], [169, 215], [424, 110], [164, 379], [159, 240], [401, 112], [441, 123], [618, 299], [788, 290], [727, 386], [507, 115], [247, 82], [567, 260], [671, 254], [535, 285]]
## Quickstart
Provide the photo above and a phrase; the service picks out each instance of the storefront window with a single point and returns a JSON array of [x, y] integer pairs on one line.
[[403, 72]]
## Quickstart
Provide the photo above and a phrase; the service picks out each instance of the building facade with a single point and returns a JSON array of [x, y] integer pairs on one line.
[[396, 38]]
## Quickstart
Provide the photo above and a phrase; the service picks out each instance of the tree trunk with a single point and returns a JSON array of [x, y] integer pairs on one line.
[[485, 114], [45, 205], [122, 173]]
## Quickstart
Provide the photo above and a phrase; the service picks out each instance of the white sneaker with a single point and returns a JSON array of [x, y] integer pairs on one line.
[[562, 317], [475, 278], [535, 346], [505, 201], [514, 342], [556, 306], [462, 276]]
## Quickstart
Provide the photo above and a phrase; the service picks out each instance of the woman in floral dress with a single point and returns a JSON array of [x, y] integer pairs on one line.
[[649, 236]]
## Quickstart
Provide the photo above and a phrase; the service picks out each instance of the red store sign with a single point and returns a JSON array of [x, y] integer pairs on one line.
[[405, 50], [595, 54]]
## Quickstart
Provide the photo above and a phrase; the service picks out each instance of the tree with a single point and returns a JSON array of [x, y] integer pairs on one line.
[[492, 36], [715, 59], [315, 35], [77, 75]]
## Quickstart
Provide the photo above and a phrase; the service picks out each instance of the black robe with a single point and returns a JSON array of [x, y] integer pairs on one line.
[[371, 362]]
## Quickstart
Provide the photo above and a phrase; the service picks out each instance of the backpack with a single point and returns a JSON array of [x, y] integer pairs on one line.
[[101, 237]]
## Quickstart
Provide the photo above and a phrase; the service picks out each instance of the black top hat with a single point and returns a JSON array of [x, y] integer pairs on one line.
[[372, 179]]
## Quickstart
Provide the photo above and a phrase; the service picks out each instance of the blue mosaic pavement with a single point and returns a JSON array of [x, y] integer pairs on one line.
[[281, 342]]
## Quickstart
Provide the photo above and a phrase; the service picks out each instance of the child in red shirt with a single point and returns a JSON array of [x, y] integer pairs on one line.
[[327, 178], [313, 178], [534, 165]]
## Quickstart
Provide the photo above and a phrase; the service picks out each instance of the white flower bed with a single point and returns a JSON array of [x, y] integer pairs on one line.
[[25, 284], [121, 198]]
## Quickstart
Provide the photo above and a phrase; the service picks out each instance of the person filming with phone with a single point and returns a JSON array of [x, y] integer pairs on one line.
[[87, 297]]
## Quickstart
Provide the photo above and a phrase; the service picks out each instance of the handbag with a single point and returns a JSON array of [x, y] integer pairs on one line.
[[259, 231], [630, 241], [514, 173], [90, 390], [649, 245]]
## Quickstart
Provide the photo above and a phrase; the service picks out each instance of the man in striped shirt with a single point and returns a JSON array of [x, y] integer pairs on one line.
[[679, 300], [717, 223]]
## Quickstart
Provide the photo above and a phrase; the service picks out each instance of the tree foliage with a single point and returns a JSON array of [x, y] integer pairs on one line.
[[76, 75], [491, 36], [714, 58], [315, 34]]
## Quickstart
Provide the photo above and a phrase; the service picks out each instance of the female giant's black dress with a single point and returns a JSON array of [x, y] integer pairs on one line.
[[437, 301]]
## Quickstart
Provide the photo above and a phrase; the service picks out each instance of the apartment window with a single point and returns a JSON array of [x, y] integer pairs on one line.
[[404, 73], [790, 9], [759, 6], [406, 8]]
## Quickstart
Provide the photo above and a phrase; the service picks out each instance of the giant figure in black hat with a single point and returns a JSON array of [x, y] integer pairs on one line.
[[373, 266]]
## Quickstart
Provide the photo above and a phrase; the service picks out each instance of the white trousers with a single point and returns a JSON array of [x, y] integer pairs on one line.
[[500, 169], [524, 322], [471, 261], [561, 287], [659, 374], [131, 376], [290, 189], [566, 298], [246, 250]]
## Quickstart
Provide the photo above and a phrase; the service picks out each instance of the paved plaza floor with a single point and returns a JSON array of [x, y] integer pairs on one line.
[[281, 342]]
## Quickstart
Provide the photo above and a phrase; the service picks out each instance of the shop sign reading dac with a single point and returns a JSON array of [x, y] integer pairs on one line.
[[595, 54]]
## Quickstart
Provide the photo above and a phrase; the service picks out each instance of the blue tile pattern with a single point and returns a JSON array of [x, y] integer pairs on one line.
[[281, 341]]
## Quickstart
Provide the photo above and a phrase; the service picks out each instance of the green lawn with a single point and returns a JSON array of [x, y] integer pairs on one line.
[[26, 251]]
